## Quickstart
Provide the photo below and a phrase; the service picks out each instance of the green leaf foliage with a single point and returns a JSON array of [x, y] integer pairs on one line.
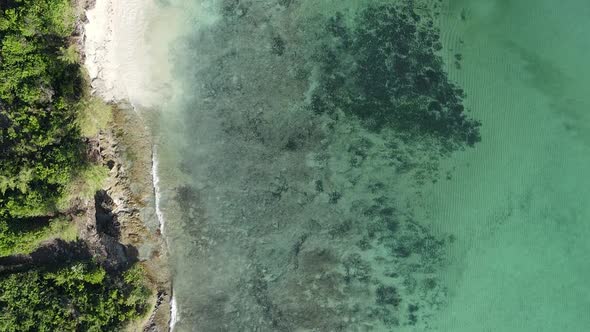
[[25, 236], [78, 297], [40, 88], [44, 113]]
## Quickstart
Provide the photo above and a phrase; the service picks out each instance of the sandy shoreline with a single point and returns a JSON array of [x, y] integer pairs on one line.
[[120, 62], [125, 51]]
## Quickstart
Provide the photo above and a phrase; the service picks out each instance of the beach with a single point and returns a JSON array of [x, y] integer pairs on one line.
[[124, 48]]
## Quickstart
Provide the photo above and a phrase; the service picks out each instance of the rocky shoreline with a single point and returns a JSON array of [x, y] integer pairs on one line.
[[127, 202], [113, 227], [125, 148]]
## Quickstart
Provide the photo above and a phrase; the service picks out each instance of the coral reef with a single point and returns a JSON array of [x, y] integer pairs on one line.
[[386, 70], [298, 214]]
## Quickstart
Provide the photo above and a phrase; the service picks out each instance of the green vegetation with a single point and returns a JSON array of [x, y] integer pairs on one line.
[[79, 297], [84, 185], [94, 115], [27, 235], [40, 86], [70, 54], [45, 116]]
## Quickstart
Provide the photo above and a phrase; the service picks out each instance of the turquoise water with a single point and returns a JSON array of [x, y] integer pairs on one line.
[[283, 215], [521, 198]]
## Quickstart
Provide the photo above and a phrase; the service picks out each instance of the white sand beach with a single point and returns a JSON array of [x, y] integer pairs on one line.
[[126, 48]]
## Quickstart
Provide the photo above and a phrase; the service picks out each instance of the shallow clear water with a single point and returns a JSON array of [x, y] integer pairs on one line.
[[520, 199], [282, 219]]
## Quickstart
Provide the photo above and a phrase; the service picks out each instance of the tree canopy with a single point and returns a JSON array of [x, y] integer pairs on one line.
[[40, 144], [77, 297]]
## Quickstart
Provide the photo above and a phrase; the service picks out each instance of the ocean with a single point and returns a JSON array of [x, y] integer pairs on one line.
[[319, 169]]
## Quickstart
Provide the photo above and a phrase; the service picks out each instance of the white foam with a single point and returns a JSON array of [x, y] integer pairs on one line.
[[157, 194], [173, 312]]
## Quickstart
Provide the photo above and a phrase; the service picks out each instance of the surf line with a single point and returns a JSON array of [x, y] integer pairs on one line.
[[162, 225], [156, 188]]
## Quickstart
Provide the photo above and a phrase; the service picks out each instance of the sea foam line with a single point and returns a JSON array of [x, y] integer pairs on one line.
[[173, 312], [161, 221], [157, 194]]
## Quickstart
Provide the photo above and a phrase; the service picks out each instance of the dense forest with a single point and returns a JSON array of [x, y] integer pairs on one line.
[[79, 297], [45, 114], [40, 85]]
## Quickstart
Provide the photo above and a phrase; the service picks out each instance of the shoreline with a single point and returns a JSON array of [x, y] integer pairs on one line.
[[123, 51], [142, 227], [127, 148], [173, 319], [157, 195]]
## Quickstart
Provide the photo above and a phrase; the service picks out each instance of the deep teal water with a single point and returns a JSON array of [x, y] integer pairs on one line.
[[282, 219]]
